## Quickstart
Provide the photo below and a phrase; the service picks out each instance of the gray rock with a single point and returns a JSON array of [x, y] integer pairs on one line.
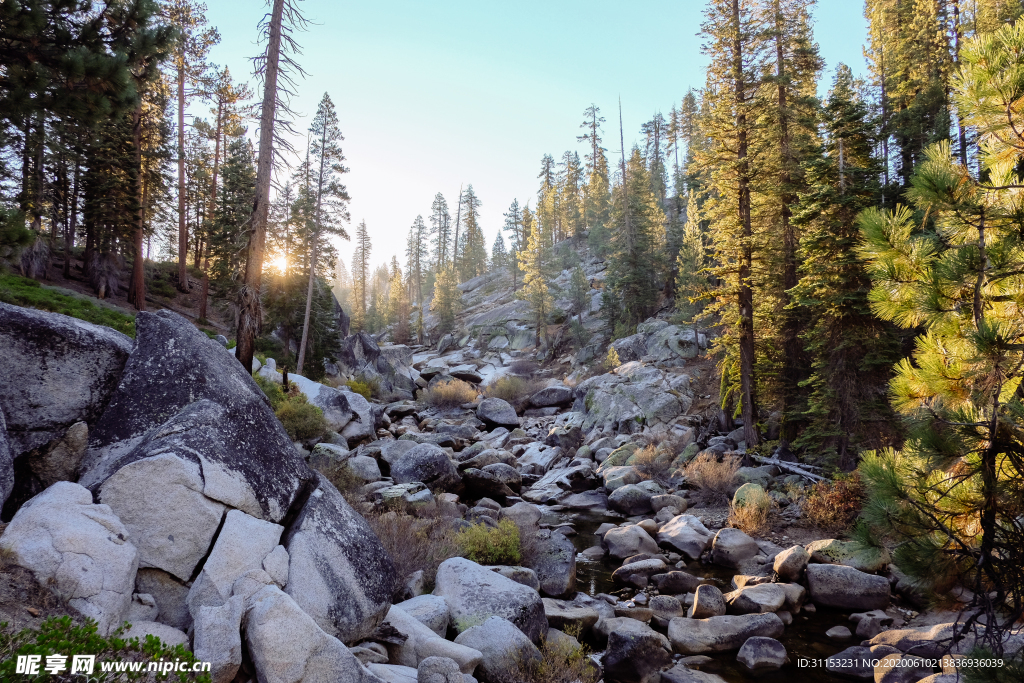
[[287, 646], [681, 674], [839, 633], [686, 534], [393, 673], [170, 594], [666, 500], [79, 548], [6, 463], [708, 601], [790, 563], [665, 609], [732, 546], [391, 451], [426, 463], [474, 593], [833, 585], [759, 653], [720, 634], [870, 624], [854, 662], [555, 564], [482, 484], [923, 642], [276, 565], [630, 500], [172, 531], [556, 395], [143, 608], [623, 542], [181, 394], [523, 575], [241, 546], [57, 371], [430, 610], [676, 582], [494, 412], [539, 458], [524, 515], [637, 574], [217, 639], [61, 460], [566, 615], [765, 597], [438, 670], [338, 571], [502, 645], [421, 642], [635, 655]]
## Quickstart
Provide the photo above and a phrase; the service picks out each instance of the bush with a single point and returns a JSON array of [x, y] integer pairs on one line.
[[22, 291], [755, 514], [59, 635], [561, 661], [612, 360], [273, 391], [834, 505], [715, 479], [450, 394], [367, 388], [414, 543], [301, 419], [512, 388], [653, 464], [486, 545]]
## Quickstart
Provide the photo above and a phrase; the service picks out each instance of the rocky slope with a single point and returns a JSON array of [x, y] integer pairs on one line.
[[162, 490]]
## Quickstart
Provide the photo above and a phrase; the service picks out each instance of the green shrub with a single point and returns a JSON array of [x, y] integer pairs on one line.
[[365, 387], [23, 291], [485, 545], [301, 419], [272, 389], [59, 635]]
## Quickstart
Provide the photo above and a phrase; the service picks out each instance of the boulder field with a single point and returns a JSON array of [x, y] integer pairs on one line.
[[149, 480]]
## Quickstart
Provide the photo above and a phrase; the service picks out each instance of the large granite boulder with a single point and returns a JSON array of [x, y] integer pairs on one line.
[[496, 412], [428, 464], [421, 642], [623, 542], [504, 648], [731, 547], [555, 564], [6, 463], [57, 371], [835, 585], [631, 397], [182, 394], [636, 653], [686, 534], [338, 571], [287, 646], [79, 548], [720, 634], [475, 593]]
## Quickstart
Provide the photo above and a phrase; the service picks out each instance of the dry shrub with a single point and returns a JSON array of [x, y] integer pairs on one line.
[[653, 464], [716, 480], [513, 389], [561, 661], [755, 515], [834, 505], [524, 368], [450, 394], [414, 544]]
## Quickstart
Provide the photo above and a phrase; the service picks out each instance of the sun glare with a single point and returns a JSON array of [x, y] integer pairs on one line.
[[279, 263]]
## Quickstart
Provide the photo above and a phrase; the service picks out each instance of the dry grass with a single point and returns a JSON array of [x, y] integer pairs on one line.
[[513, 389], [715, 480], [560, 662], [653, 464], [834, 505], [755, 515], [414, 544], [450, 394]]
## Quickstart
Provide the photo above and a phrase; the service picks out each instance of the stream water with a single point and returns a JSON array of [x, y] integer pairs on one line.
[[804, 639]]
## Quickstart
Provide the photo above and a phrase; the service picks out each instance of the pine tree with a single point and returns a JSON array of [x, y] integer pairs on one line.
[[850, 350], [232, 214], [416, 255], [535, 287], [499, 255], [447, 299], [441, 235], [951, 496], [596, 199], [654, 132], [472, 259], [691, 283], [361, 276], [517, 237], [330, 198], [571, 200]]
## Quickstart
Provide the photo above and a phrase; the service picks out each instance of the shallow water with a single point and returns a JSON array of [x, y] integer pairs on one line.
[[805, 639]]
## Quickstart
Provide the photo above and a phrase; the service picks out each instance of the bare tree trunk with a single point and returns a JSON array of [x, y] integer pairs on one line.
[[455, 248], [69, 238], [182, 227], [137, 290], [250, 317], [746, 294]]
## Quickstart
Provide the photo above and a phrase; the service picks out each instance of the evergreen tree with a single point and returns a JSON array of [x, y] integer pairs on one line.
[[447, 299], [417, 255], [535, 287], [361, 276], [654, 132], [233, 213], [514, 225], [691, 283], [571, 201], [596, 199], [499, 255], [440, 232], [951, 496], [850, 351], [330, 200], [473, 250]]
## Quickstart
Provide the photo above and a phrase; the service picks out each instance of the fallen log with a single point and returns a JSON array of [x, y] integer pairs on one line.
[[789, 467]]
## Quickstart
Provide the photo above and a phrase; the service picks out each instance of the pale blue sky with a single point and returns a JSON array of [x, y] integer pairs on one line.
[[434, 94]]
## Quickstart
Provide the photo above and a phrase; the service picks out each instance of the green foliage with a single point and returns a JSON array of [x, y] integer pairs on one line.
[[367, 387], [1011, 670], [273, 391], [59, 635], [485, 545], [22, 291], [447, 299], [419, 543], [301, 419], [612, 360]]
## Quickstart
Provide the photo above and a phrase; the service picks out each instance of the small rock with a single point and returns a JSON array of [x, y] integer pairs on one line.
[[762, 653], [839, 633]]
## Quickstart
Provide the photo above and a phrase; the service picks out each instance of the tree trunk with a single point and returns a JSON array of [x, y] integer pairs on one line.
[[250, 310], [746, 296], [137, 289], [316, 242], [205, 295], [69, 239], [182, 227]]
